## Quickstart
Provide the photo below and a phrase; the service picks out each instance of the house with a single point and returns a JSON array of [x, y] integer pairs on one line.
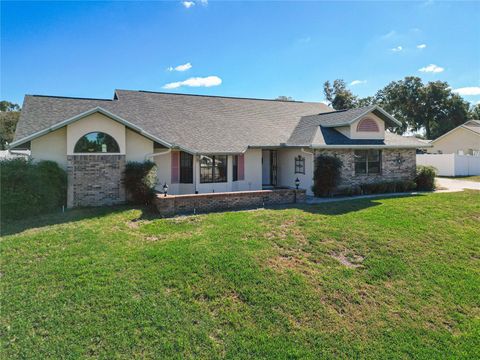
[[205, 144], [463, 140]]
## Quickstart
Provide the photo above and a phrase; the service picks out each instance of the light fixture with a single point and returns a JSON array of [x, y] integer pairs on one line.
[[165, 189], [297, 182]]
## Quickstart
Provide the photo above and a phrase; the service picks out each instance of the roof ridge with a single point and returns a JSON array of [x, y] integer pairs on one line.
[[220, 96], [68, 97], [345, 110]]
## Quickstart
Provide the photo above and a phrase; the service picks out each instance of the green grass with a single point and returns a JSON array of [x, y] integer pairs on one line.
[[378, 278], [467, 178]]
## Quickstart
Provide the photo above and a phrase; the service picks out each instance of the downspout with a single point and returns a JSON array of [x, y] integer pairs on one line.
[[150, 155]]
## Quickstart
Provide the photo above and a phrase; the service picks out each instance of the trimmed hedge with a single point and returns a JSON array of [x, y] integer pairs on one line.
[[425, 178], [326, 176], [31, 188], [384, 187], [140, 180]]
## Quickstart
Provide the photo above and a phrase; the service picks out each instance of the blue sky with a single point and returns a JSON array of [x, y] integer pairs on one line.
[[248, 49]]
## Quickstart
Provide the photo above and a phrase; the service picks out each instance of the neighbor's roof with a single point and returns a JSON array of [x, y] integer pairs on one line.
[[472, 125], [199, 124]]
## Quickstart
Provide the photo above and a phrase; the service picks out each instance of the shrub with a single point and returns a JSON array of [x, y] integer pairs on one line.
[[140, 180], [29, 189], [326, 175], [425, 178], [388, 187]]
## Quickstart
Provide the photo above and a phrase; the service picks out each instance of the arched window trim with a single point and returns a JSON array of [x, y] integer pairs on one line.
[[370, 125], [110, 138]]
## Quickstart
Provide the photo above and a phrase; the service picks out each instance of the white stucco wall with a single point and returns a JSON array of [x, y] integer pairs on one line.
[[458, 140], [286, 169], [52, 146], [137, 146], [253, 172], [92, 123]]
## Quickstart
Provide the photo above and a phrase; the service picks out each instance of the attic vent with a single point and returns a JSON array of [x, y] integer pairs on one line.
[[367, 125]]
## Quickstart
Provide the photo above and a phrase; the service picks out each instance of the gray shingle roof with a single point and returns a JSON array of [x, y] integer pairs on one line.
[[318, 131], [202, 124], [199, 123]]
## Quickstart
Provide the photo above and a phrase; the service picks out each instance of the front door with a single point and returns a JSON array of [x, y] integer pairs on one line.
[[265, 167], [269, 167], [273, 167]]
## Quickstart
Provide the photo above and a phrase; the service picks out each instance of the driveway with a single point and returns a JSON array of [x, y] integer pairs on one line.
[[457, 184]]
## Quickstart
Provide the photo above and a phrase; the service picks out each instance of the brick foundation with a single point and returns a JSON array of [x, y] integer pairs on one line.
[[397, 164], [95, 180], [201, 203]]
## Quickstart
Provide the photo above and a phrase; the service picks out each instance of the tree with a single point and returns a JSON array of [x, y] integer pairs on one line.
[[8, 106], [284, 98], [339, 97], [9, 115], [474, 113], [432, 107]]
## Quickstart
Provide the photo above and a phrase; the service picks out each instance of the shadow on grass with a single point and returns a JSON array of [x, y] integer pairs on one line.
[[11, 227], [344, 206]]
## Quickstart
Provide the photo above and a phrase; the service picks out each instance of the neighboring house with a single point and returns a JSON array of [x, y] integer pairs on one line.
[[463, 140], [14, 154], [207, 144]]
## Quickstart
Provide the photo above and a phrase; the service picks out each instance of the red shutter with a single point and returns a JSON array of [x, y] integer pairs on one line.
[[175, 167], [241, 167]]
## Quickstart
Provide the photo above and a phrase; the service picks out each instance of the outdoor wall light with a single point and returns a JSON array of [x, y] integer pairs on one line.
[[165, 189], [297, 182]]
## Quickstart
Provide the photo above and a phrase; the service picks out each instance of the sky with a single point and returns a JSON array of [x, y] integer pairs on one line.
[[259, 49]]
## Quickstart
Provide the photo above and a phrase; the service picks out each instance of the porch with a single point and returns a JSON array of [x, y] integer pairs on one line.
[[255, 169], [171, 205]]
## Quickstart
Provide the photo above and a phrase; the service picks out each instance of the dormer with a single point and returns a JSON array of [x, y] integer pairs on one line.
[[368, 126]]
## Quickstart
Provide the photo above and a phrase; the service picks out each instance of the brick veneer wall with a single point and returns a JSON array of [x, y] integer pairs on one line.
[[397, 164], [184, 204], [95, 180]]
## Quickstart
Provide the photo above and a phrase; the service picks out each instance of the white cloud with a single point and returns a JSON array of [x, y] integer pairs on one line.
[[183, 67], [468, 91], [358, 82], [397, 49], [195, 82], [204, 2], [432, 68], [421, 46], [389, 34], [188, 4]]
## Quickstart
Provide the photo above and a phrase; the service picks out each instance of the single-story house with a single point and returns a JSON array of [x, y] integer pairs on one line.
[[204, 144], [463, 140]]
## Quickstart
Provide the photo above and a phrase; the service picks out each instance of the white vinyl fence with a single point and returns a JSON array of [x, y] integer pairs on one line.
[[451, 164]]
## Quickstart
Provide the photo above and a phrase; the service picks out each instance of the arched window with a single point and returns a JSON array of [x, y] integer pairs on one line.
[[96, 142], [368, 125]]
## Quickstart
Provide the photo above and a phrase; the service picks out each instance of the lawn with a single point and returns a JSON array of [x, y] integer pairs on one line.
[[378, 278]]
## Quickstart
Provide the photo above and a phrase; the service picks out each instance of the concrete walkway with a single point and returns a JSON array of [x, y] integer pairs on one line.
[[443, 185], [457, 184]]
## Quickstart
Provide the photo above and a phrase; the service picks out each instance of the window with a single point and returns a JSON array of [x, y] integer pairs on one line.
[[367, 162], [235, 167], [299, 165], [186, 168], [213, 169], [96, 142]]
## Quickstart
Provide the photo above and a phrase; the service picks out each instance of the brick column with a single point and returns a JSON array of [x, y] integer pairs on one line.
[[95, 180]]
